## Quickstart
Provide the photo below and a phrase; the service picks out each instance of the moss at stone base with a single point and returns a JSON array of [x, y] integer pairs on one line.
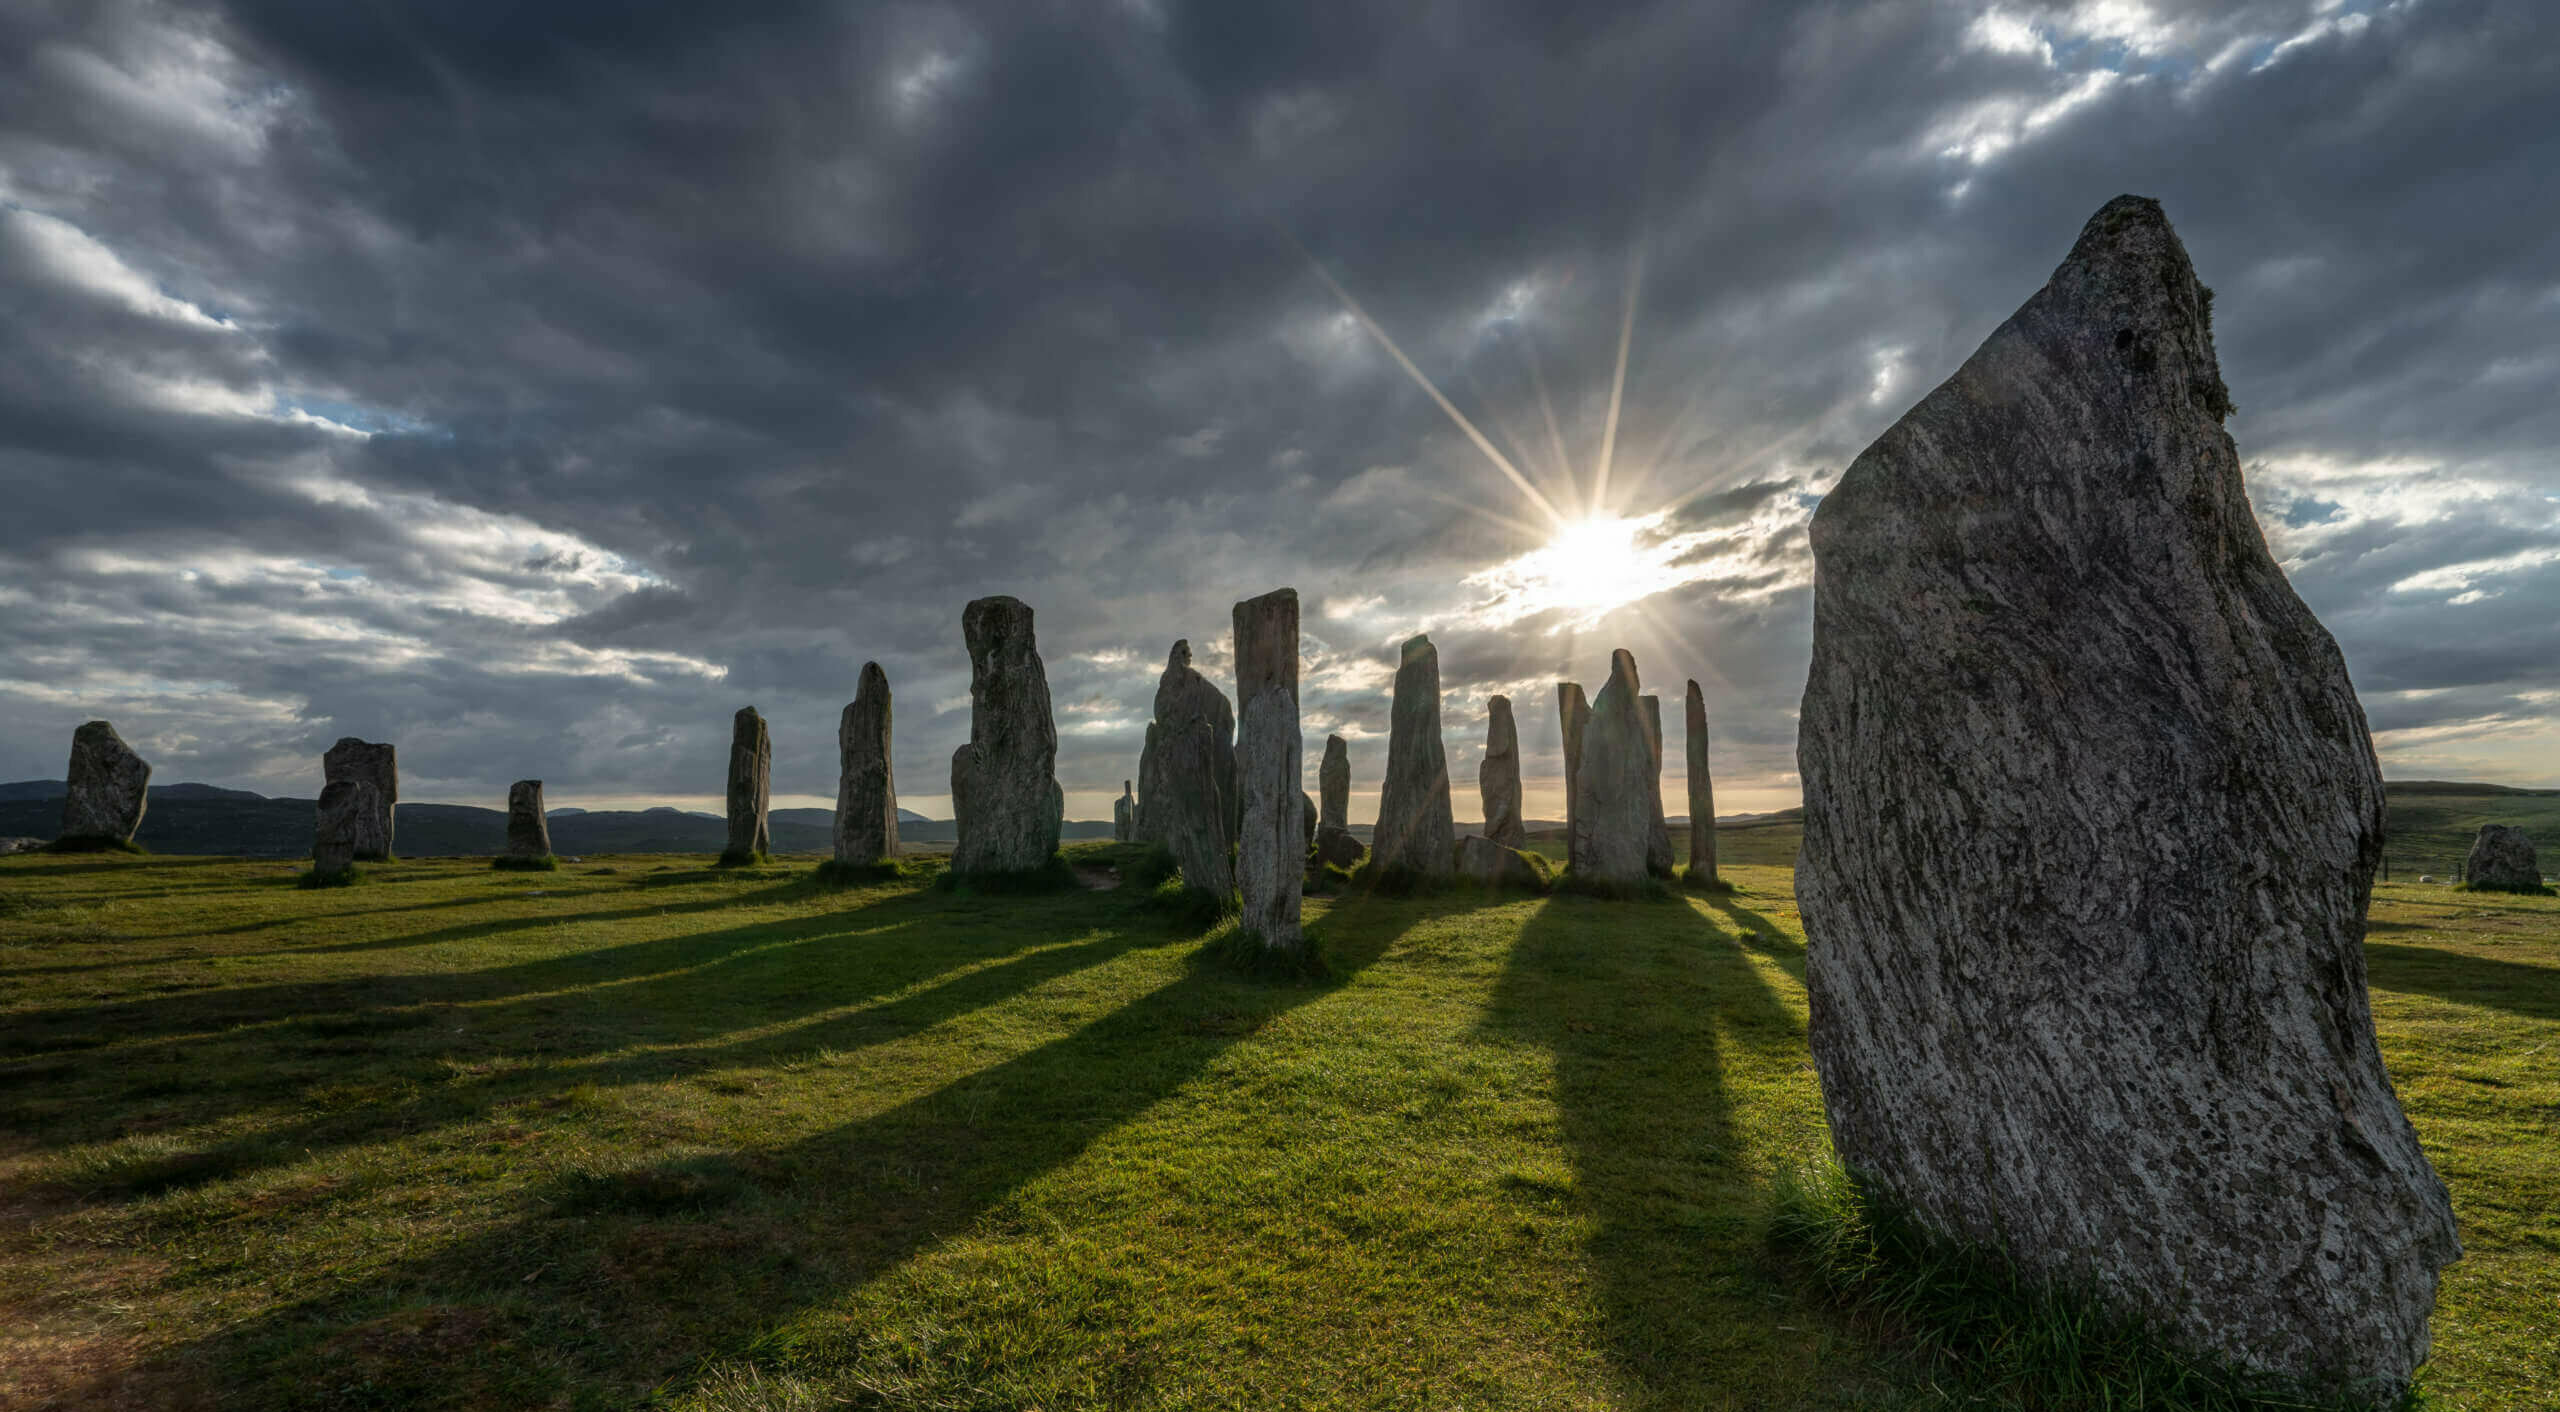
[[512, 863], [1053, 876], [743, 858], [94, 843]]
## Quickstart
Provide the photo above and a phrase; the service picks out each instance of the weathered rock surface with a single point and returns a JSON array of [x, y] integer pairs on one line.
[[1307, 821], [2091, 820], [2502, 860], [1416, 832], [750, 786], [1004, 793], [1124, 812], [866, 787], [1482, 860], [1193, 808], [1616, 788], [1573, 717], [347, 825], [1702, 792], [1271, 839], [1498, 778], [1143, 820], [377, 765], [528, 829], [1657, 840], [106, 787], [1339, 848]]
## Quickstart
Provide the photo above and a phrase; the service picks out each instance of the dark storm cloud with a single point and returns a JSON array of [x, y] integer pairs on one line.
[[535, 385]]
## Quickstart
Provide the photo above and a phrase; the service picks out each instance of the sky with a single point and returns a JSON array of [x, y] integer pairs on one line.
[[532, 386]]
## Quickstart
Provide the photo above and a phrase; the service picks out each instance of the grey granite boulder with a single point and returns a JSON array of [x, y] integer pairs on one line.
[[1616, 788], [866, 820], [106, 788], [1490, 864], [347, 825], [2091, 821], [1415, 832], [750, 788], [1271, 840], [1192, 811], [1498, 778], [1573, 717], [377, 764], [1657, 839], [1702, 793], [2502, 860], [1004, 792], [528, 829]]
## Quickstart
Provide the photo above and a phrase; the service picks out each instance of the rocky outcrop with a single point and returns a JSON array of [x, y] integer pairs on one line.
[[1573, 717], [1416, 833], [866, 829], [1498, 778], [1657, 839], [1702, 793], [2502, 860], [1004, 793], [378, 765], [1271, 840], [105, 789], [528, 828], [1616, 789], [1192, 809], [347, 825], [1489, 864], [750, 788], [2091, 820]]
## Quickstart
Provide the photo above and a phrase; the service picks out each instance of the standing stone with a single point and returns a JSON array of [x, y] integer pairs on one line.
[[528, 829], [347, 826], [750, 788], [2091, 820], [376, 765], [1003, 787], [106, 788], [1193, 808], [1498, 778], [1617, 791], [1573, 717], [2502, 861], [1145, 818], [866, 788], [1416, 832], [1124, 812], [1702, 793], [1271, 839], [1333, 778], [1657, 841]]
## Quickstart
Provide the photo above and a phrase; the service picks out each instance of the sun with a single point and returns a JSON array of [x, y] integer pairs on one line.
[[1588, 568]]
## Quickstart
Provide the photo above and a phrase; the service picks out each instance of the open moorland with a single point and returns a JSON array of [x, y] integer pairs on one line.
[[640, 1132]]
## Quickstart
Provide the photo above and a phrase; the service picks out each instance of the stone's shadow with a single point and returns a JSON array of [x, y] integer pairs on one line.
[[2513, 986], [1647, 1120], [720, 1248]]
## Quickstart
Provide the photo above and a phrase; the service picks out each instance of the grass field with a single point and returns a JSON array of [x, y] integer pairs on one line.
[[642, 1133]]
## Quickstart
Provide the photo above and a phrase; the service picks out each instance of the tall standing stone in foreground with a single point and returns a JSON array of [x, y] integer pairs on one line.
[[2502, 860], [866, 788], [1271, 838], [1498, 778], [528, 828], [1702, 792], [105, 789], [1573, 717], [1003, 788], [1617, 789], [750, 788], [347, 825], [2091, 819], [1657, 839], [1416, 832], [377, 765], [1194, 807], [1124, 812]]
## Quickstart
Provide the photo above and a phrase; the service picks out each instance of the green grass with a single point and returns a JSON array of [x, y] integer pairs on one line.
[[646, 1132], [513, 863]]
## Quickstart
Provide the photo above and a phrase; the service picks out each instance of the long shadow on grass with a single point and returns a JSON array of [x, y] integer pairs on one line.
[[613, 1281], [2512, 986], [1645, 1005]]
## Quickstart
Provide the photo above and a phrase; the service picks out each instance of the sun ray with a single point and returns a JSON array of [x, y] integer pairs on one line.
[[1555, 434], [1500, 462], [1618, 379]]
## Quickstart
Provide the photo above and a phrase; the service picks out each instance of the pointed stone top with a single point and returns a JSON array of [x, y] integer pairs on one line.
[[870, 673], [1418, 644], [745, 713], [1180, 656], [1128, 786], [1499, 705], [1622, 663], [1335, 742]]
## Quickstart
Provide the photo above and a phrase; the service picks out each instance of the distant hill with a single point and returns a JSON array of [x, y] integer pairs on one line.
[[25, 791]]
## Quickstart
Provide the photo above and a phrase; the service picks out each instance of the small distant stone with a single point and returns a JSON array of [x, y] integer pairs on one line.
[[2502, 860], [106, 788]]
